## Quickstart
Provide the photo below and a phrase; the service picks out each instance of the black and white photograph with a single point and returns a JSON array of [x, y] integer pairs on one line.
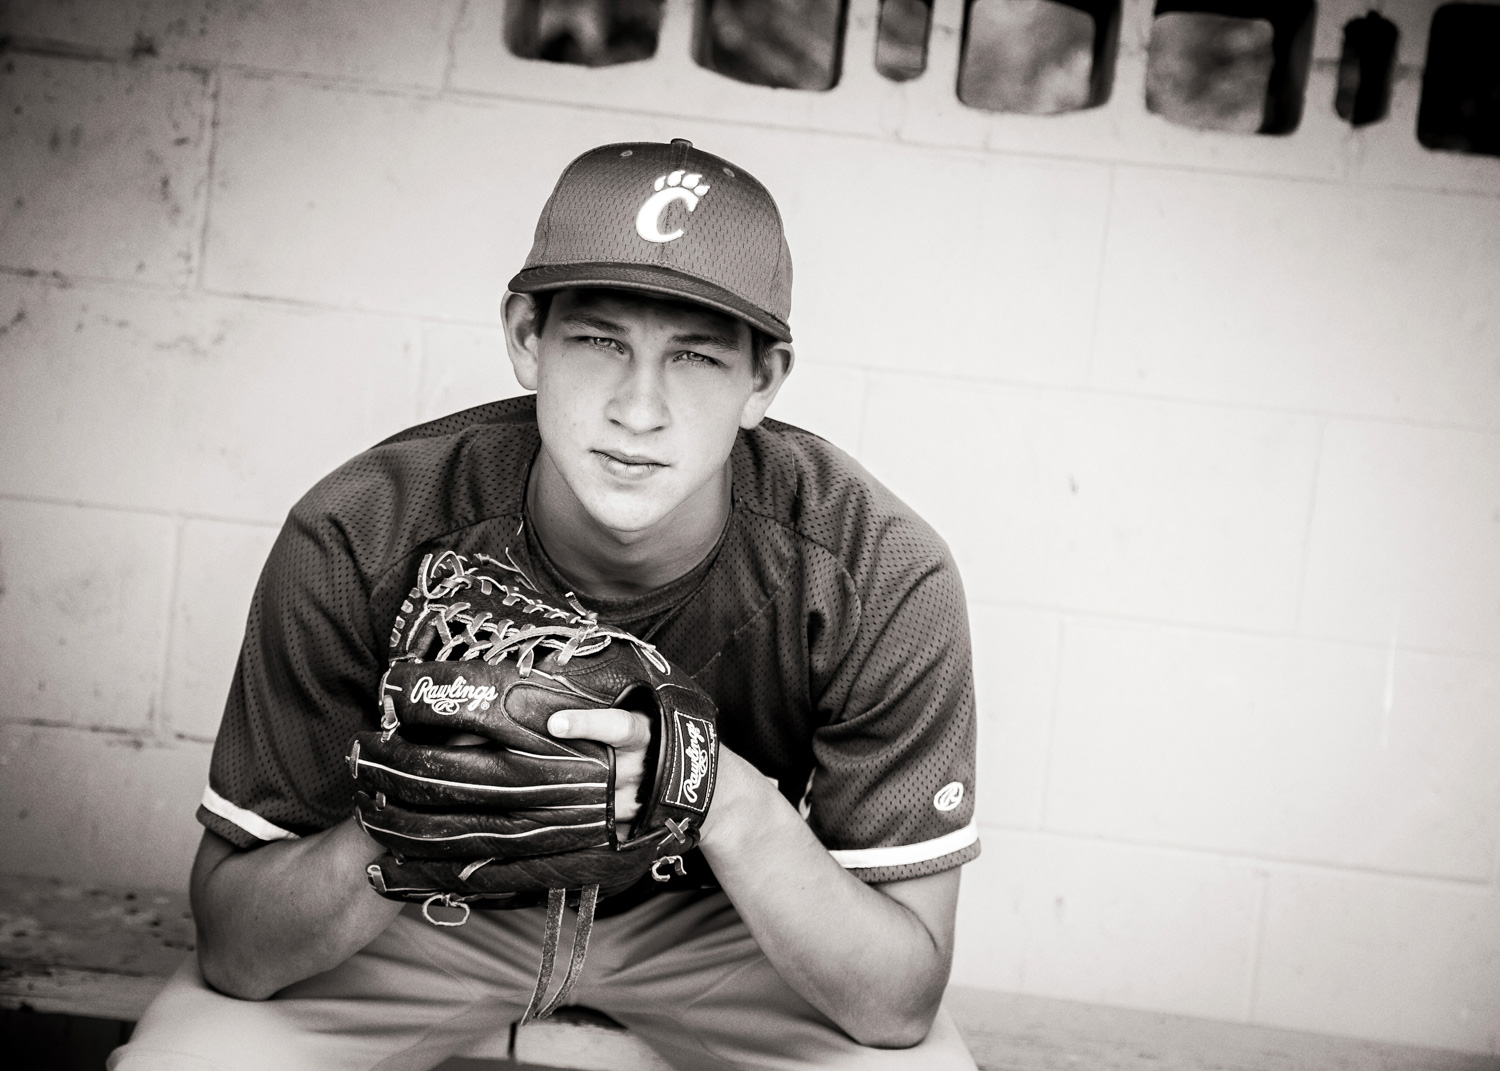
[[700, 535]]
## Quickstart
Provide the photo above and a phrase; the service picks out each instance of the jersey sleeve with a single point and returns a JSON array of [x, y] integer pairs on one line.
[[306, 678], [892, 791]]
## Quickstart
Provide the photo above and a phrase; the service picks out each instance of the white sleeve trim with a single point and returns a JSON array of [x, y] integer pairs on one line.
[[906, 854], [249, 821]]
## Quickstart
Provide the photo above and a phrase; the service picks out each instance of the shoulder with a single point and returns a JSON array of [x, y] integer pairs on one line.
[[831, 504], [422, 482]]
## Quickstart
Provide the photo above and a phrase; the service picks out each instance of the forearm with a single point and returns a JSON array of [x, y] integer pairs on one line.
[[285, 911], [866, 960]]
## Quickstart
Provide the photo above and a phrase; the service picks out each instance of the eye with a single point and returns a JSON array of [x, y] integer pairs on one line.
[[600, 342], [692, 357]]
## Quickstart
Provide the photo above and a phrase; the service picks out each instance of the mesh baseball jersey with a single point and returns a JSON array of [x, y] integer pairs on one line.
[[828, 625]]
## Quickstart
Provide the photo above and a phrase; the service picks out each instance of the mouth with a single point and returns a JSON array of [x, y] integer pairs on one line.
[[628, 466]]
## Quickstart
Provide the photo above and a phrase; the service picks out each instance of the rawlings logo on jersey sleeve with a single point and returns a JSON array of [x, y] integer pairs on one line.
[[949, 796], [692, 783]]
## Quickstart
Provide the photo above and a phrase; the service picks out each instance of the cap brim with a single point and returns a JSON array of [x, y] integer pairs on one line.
[[649, 279]]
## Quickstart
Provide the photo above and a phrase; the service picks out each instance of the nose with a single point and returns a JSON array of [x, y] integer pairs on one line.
[[638, 403]]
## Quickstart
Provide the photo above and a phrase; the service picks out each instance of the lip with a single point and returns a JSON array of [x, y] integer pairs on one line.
[[628, 466]]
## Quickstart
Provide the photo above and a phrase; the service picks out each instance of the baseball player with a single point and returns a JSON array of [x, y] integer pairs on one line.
[[813, 924]]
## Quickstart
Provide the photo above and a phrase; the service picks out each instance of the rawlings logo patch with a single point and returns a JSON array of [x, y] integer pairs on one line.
[[695, 748], [448, 698], [949, 796]]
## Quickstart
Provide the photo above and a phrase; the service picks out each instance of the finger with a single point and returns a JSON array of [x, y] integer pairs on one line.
[[627, 730], [630, 768]]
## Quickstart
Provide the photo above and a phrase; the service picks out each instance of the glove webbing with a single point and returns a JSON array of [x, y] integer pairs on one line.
[[557, 900]]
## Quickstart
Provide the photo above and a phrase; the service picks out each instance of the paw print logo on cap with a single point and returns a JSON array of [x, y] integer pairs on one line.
[[687, 187]]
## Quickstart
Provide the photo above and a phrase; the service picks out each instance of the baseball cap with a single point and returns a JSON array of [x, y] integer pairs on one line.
[[665, 218]]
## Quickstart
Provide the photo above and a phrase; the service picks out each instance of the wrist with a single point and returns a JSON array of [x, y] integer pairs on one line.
[[742, 804], [353, 843]]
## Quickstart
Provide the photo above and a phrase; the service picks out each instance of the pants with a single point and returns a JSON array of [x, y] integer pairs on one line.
[[681, 971]]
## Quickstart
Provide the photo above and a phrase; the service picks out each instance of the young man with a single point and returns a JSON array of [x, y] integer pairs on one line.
[[815, 925]]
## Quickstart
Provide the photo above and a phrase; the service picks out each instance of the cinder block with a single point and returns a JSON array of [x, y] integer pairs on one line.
[[1388, 153], [301, 172], [198, 404], [1405, 539], [385, 202], [828, 400], [1280, 748], [967, 265], [398, 41], [1179, 512], [99, 807], [83, 613], [1264, 292], [1377, 957], [462, 367], [104, 167], [1108, 923], [1015, 680], [216, 576]]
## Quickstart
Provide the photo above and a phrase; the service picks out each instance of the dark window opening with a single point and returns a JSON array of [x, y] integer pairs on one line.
[[901, 38], [1038, 57], [783, 43], [1235, 65], [1460, 109], [1364, 87], [590, 33]]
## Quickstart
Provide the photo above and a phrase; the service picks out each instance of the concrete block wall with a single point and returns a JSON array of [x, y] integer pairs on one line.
[[1212, 423]]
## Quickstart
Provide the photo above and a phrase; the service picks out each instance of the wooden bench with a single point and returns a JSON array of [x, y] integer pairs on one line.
[[104, 953]]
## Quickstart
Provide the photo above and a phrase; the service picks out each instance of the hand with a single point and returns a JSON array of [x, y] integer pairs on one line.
[[627, 731]]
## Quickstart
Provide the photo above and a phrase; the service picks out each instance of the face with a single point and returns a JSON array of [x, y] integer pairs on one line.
[[638, 402]]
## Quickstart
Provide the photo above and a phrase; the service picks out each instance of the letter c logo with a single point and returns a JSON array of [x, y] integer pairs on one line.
[[674, 187]]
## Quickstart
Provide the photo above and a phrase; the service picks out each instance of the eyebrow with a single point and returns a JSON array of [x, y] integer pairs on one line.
[[686, 338], [597, 323], [707, 338]]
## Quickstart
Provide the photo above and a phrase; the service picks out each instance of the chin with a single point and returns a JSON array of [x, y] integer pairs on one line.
[[625, 513]]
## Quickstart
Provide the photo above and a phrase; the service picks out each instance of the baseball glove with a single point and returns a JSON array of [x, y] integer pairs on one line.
[[514, 817]]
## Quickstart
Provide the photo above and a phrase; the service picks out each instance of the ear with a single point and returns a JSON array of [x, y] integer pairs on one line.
[[779, 360], [522, 339]]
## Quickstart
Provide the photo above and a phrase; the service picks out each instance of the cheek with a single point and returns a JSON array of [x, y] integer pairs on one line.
[[714, 432], [716, 416], [551, 422], [706, 434], [563, 400]]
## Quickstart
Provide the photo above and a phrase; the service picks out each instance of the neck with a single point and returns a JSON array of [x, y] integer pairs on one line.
[[606, 563]]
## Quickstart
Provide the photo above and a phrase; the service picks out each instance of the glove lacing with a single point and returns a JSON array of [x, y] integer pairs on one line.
[[482, 636], [557, 900]]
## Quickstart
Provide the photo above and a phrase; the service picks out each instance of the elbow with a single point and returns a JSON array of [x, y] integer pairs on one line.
[[896, 1028], [231, 976], [893, 1034]]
